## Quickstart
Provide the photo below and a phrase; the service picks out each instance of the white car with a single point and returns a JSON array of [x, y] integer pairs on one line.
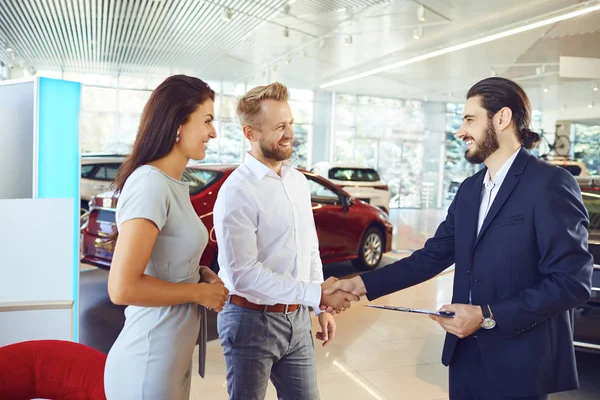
[[361, 182], [98, 171]]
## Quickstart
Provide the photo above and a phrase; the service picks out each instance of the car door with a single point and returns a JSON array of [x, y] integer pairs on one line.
[[330, 220]]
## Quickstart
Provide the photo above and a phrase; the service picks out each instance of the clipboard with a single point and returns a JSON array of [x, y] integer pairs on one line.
[[445, 314]]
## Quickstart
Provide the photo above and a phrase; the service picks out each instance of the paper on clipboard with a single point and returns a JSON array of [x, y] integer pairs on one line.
[[446, 314]]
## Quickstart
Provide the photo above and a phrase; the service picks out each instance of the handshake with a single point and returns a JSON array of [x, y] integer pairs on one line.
[[337, 295]]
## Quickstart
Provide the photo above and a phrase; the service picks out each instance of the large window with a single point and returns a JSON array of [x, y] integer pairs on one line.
[[111, 108], [385, 134], [587, 146]]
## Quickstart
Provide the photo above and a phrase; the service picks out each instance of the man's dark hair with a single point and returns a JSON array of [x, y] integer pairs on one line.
[[497, 93]]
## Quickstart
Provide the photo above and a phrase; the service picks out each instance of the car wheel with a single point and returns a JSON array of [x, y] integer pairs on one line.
[[370, 251]]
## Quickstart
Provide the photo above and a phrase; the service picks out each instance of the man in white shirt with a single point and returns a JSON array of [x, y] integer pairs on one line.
[[269, 260]]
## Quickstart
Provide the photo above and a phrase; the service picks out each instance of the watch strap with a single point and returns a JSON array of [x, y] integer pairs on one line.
[[485, 310]]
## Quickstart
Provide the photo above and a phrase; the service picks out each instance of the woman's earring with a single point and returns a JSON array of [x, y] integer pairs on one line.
[[177, 137]]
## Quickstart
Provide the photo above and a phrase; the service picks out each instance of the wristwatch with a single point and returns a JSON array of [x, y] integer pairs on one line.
[[488, 317]]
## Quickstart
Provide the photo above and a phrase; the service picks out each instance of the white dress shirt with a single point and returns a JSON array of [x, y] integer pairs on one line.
[[268, 245], [490, 188]]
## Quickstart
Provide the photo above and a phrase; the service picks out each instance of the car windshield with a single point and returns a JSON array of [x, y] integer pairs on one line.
[[199, 178], [354, 174]]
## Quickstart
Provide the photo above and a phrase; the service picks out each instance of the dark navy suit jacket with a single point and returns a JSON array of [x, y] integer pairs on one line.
[[530, 263]]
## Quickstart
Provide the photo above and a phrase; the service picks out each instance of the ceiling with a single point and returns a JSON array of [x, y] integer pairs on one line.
[[305, 43]]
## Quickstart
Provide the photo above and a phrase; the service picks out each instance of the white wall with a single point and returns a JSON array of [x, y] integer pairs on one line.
[[321, 141], [20, 326], [17, 139]]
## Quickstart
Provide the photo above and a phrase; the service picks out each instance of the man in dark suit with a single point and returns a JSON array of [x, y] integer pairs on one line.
[[517, 234]]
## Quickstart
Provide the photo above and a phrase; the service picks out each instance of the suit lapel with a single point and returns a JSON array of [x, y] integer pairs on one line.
[[505, 190], [510, 182], [472, 210]]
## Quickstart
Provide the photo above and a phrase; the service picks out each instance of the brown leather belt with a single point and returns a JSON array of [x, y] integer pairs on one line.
[[242, 302]]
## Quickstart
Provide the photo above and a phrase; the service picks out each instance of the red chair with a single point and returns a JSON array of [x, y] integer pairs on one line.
[[51, 369]]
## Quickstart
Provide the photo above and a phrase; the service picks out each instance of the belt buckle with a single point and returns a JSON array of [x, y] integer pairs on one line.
[[286, 310]]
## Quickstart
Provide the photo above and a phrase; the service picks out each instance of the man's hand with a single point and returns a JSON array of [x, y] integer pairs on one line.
[[354, 286], [327, 328], [208, 276], [467, 319], [336, 300]]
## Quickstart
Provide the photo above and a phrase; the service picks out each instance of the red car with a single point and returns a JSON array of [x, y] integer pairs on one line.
[[348, 229]]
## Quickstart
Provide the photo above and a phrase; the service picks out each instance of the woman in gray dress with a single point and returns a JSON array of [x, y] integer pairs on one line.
[[155, 269]]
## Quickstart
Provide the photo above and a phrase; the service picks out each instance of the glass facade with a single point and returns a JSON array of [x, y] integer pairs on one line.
[[586, 146], [385, 134], [111, 108]]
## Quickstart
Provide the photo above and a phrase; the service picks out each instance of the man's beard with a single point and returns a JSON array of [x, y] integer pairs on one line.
[[275, 153], [488, 145]]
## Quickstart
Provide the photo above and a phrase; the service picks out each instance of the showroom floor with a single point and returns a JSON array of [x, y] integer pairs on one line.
[[376, 354]]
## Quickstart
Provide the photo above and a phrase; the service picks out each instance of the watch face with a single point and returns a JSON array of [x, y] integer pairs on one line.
[[488, 323]]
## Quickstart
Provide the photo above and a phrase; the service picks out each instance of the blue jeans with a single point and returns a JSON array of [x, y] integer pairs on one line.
[[259, 345]]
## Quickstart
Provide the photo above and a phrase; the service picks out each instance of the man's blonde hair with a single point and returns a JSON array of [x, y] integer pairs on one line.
[[248, 107]]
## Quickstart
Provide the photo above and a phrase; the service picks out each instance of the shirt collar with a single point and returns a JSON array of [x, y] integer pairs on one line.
[[260, 170], [501, 174]]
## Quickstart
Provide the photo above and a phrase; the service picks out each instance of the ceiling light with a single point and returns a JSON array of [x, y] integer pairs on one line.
[[288, 60], [418, 33], [591, 104], [421, 13], [470, 43], [493, 73], [595, 88], [546, 89], [227, 14], [348, 40], [286, 32], [303, 54], [564, 107], [538, 70], [286, 9]]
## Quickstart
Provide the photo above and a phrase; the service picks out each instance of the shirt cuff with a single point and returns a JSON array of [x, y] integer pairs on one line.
[[312, 295]]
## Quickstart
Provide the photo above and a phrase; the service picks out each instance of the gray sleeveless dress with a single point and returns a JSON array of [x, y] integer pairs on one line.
[[152, 357]]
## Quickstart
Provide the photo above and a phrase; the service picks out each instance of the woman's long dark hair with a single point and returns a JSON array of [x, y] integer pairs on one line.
[[169, 107], [497, 93]]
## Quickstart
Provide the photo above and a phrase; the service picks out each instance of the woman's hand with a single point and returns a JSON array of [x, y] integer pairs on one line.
[[208, 276], [212, 295]]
